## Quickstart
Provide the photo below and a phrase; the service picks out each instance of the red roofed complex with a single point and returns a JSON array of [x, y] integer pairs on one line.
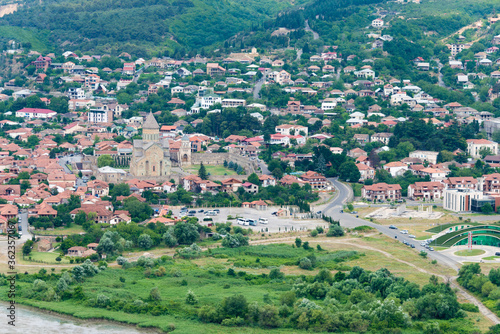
[[381, 192]]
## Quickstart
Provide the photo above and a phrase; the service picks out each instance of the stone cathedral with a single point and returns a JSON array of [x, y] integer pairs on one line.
[[151, 156]]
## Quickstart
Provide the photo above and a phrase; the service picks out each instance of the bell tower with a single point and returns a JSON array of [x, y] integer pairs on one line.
[[150, 129], [185, 152]]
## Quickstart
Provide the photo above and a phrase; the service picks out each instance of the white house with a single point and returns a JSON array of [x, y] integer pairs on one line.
[[377, 23], [329, 104], [365, 73], [291, 129], [396, 168]]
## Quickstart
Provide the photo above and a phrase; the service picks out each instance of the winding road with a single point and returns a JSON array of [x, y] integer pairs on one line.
[[308, 28], [345, 194]]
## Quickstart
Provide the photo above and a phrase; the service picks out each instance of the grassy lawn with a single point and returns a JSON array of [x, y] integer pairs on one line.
[[419, 227], [212, 170], [491, 258], [49, 257], [439, 248], [472, 252], [74, 229]]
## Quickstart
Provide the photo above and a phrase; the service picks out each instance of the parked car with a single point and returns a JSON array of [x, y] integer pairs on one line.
[[211, 213], [201, 210], [263, 221], [497, 254], [431, 249], [354, 212], [412, 246], [412, 236], [404, 231], [392, 227], [241, 221], [318, 213], [216, 211], [252, 222]]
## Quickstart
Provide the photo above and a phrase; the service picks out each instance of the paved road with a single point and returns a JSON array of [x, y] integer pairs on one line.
[[23, 219], [308, 28], [263, 168], [258, 87], [440, 75], [344, 194]]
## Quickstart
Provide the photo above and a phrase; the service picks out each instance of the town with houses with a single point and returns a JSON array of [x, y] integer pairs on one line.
[[278, 141]]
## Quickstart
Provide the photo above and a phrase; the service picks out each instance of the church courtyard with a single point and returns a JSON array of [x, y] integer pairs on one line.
[[212, 170]]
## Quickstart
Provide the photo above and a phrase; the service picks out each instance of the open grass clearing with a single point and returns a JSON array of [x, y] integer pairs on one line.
[[470, 252], [48, 257], [418, 226], [74, 229], [489, 258], [212, 170]]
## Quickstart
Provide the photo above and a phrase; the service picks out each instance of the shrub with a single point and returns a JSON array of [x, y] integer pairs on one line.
[[314, 233], [288, 298], [469, 307], [233, 322], [320, 229], [102, 301], [154, 294], [305, 263], [145, 241], [298, 242], [121, 260], [275, 273], [191, 298], [306, 246], [58, 259], [335, 231]]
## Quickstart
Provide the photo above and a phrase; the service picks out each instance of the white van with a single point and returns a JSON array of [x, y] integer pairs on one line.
[[211, 213], [241, 221], [263, 221]]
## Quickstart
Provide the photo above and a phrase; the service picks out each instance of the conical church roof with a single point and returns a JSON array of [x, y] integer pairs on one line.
[[150, 122]]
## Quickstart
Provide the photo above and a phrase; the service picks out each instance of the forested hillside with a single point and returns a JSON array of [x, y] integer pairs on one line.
[[135, 26]]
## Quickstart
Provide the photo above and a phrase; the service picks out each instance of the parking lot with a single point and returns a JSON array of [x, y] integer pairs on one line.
[[275, 224]]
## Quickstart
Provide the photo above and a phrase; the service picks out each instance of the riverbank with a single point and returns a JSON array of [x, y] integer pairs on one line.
[[66, 324]]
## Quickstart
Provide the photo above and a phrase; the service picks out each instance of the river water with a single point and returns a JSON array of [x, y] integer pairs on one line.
[[30, 321]]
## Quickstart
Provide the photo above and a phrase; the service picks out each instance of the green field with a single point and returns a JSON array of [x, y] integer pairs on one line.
[[472, 252], [491, 258], [74, 229], [39, 40], [221, 276], [211, 170], [48, 257]]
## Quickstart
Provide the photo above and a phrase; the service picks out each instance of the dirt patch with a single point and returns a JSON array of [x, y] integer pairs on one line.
[[8, 9]]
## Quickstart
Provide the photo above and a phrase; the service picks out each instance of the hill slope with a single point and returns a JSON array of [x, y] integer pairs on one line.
[[133, 25]]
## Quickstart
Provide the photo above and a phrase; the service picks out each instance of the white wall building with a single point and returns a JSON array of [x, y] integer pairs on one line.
[[429, 156], [474, 146], [459, 200]]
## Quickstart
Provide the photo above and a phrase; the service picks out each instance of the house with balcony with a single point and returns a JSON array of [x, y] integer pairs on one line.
[[381, 192], [426, 190]]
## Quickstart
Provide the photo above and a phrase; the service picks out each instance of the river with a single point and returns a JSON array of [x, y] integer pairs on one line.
[[31, 321]]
